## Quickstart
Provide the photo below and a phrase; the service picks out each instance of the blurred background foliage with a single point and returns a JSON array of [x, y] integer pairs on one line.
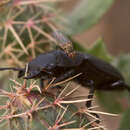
[[25, 32]]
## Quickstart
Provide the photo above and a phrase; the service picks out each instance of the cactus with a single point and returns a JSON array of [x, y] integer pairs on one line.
[[25, 29], [28, 108]]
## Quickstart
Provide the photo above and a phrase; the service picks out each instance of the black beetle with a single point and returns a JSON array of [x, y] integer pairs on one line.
[[65, 63]]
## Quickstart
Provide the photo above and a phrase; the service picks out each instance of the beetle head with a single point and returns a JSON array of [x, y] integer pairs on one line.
[[36, 72]]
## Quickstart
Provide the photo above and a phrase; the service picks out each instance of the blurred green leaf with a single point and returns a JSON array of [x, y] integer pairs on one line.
[[123, 64], [99, 50], [77, 45], [125, 122], [111, 100], [86, 14]]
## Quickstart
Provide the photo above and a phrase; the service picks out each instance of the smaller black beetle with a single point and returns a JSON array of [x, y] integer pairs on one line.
[[95, 73]]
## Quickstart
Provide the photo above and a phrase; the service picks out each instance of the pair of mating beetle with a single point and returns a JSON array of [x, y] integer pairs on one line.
[[65, 62]]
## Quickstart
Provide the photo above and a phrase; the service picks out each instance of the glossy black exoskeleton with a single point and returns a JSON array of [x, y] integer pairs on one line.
[[63, 64]]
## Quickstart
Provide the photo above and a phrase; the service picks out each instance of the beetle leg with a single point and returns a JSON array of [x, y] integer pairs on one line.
[[90, 96], [41, 83], [42, 79], [64, 76], [120, 85]]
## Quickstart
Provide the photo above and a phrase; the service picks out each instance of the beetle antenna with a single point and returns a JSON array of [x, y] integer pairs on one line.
[[64, 43], [11, 68]]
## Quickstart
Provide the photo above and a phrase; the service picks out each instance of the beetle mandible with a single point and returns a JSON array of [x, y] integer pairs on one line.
[[65, 62]]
